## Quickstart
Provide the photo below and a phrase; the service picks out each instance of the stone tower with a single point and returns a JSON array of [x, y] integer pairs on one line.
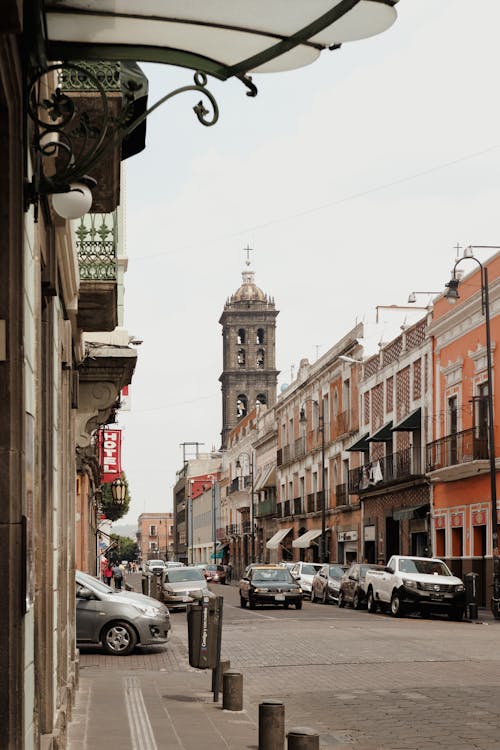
[[249, 375]]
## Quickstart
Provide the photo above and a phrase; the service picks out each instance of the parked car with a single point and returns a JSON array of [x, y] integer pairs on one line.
[[415, 584], [155, 566], [325, 584], [118, 620], [269, 584], [304, 573], [215, 573], [183, 585], [174, 564], [353, 585]]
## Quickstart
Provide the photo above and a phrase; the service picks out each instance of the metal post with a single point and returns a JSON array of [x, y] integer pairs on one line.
[[214, 521], [232, 691], [303, 738], [495, 602], [252, 532], [218, 665], [271, 725], [323, 495]]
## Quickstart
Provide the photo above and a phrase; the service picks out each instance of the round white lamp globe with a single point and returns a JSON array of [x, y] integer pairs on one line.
[[75, 203]]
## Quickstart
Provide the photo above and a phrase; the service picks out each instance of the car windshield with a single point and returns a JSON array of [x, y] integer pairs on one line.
[[309, 570], [94, 583], [156, 562], [335, 571], [427, 567], [272, 575], [184, 574]]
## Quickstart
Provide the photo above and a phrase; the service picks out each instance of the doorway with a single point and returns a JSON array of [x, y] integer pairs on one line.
[[391, 537]]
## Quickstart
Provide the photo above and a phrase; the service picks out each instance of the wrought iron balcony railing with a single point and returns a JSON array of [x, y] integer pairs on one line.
[[265, 508], [96, 241], [311, 502], [458, 448], [396, 467]]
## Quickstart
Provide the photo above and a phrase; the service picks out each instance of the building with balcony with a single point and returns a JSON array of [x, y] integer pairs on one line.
[[457, 455], [387, 468], [155, 536], [315, 418]]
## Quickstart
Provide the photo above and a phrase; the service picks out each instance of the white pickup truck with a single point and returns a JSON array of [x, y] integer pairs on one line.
[[415, 584]]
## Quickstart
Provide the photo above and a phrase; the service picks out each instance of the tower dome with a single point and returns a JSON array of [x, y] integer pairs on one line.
[[248, 291]]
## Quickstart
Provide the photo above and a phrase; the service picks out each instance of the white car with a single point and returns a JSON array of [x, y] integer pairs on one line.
[[303, 573], [155, 566]]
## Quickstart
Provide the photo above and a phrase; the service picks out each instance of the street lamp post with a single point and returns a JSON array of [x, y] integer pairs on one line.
[[452, 295], [321, 428], [249, 458]]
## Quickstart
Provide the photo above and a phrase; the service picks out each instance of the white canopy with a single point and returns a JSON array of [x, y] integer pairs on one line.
[[221, 37], [275, 541], [306, 539]]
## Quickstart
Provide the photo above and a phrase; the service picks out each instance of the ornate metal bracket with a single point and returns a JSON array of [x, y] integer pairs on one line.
[[73, 131]]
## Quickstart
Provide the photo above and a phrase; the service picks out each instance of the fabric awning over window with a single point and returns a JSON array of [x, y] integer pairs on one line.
[[360, 444], [411, 422], [409, 513], [275, 541], [266, 479], [223, 39], [383, 435], [306, 539]]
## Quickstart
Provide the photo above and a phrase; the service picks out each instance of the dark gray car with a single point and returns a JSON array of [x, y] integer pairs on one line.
[[119, 620]]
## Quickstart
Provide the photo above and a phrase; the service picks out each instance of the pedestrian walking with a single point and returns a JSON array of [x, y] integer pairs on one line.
[[108, 573], [229, 572], [117, 576]]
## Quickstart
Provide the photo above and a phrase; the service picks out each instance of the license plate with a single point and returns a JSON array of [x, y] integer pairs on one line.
[[280, 597], [437, 597]]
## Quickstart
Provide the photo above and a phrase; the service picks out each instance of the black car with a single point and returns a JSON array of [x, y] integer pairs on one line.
[[353, 587], [269, 584]]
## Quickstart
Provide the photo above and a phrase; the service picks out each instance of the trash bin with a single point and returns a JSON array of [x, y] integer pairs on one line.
[[472, 594], [203, 623]]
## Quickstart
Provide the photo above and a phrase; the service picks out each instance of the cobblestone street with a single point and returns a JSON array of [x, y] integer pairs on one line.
[[365, 682]]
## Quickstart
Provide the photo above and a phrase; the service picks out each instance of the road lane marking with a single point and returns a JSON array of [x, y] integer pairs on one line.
[[141, 731]]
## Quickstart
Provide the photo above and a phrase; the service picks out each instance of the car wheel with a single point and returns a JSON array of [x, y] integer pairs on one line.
[[341, 600], [371, 602], [286, 604], [396, 605], [456, 613], [355, 601], [118, 638], [298, 605], [243, 602]]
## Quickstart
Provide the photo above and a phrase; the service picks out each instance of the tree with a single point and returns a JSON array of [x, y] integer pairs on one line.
[[109, 507], [125, 549]]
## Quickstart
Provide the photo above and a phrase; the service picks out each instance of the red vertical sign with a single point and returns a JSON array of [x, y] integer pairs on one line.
[[110, 444]]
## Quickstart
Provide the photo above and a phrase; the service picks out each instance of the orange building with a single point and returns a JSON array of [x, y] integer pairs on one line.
[[458, 458], [155, 535]]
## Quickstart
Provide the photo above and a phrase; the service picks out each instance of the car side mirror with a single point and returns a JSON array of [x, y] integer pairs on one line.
[[84, 593], [388, 569], [352, 578]]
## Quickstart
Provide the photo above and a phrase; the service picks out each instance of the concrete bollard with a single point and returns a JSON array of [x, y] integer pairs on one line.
[[232, 691], [224, 666], [303, 738], [271, 725]]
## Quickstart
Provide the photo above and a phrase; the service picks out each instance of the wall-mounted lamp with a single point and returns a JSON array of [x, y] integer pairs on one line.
[[119, 491], [77, 201]]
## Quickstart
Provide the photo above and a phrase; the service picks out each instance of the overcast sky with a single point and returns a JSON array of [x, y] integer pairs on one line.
[[352, 180]]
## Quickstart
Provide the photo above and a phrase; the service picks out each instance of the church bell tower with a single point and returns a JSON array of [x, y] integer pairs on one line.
[[249, 375]]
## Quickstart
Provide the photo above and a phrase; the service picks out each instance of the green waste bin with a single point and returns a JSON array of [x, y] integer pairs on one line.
[[203, 624]]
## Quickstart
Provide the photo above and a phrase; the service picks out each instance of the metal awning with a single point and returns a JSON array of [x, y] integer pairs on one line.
[[383, 435], [275, 541], [306, 539], [411, 422], [409, 513], [360, 444], [222, 39], [266, 479]]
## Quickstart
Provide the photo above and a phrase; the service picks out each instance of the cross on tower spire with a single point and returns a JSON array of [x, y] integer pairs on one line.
[[248, 250]]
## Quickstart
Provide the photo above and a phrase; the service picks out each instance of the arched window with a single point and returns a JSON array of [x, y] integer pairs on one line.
[[260, 358], [241, 357], [261, 399], [241, 336], [241, 406], [260, 336]]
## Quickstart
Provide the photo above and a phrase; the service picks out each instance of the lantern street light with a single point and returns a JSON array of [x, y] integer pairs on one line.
[[452, 296], [119, 491], [249, 458], [321, 427]]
